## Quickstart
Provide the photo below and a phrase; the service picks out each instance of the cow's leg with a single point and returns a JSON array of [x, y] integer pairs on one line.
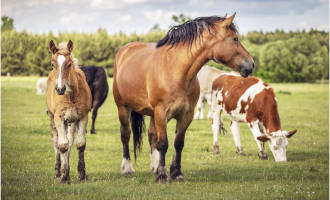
[[234, 127], [199, 108], [81, 145], [154, 153], [162, 143], [55, 145], [209, 102], [124, 116], [94, 115], [181, 126], [254, 127], [216, 114]]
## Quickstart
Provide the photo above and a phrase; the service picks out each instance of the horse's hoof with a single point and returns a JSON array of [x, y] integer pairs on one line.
[[127, 167], [179, 178], [92, 131], [65, 179], [161, 178], [175, 172], [57, 175], [82, 178]]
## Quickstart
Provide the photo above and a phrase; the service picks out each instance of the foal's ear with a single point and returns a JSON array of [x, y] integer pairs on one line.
[[70, 46], [52, 48], [227, 22]]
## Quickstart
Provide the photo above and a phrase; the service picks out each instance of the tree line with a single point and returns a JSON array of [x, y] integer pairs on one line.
[[300, 56]]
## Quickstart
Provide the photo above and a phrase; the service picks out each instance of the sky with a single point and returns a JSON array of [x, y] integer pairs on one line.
[[139, 16]]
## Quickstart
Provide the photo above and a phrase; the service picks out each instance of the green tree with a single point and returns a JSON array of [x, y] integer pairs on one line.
[[7, 23]]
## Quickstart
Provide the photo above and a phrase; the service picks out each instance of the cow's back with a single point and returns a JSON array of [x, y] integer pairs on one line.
[[206, 76]]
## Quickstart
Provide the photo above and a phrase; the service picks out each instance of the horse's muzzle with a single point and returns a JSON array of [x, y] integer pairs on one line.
[[60, 91], [246, 69]]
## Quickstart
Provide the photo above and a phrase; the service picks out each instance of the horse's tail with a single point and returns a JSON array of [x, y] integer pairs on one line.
[[137, 124]]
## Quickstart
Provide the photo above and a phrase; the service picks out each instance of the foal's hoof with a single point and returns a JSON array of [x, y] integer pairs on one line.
[[216, 150], [262, 156], [92, 131], [162, 175], [65, 179]]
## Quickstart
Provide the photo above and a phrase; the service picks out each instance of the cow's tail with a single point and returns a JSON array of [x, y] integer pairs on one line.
[[137, 124]]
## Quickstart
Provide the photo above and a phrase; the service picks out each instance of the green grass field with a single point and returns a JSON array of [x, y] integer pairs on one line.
[[27, 155]]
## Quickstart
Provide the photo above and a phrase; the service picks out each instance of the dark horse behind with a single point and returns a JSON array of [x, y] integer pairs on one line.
[[98, 84]]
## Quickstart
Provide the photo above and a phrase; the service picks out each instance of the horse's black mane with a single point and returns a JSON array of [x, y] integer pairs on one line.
[[190, 30]]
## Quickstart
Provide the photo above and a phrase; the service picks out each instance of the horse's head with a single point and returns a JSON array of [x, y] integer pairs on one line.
[[228, 50], [62, 63]]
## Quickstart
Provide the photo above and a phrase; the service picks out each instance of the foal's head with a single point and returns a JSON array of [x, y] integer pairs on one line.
[[227, 49], [62, 63]]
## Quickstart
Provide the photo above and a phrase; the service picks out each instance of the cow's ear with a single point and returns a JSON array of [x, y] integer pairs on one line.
[[263, 138], [291, 133]]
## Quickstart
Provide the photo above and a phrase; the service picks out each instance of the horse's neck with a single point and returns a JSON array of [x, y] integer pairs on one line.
[[197, 56]]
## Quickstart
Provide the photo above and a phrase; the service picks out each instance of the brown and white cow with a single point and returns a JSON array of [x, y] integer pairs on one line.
[[252, 101]]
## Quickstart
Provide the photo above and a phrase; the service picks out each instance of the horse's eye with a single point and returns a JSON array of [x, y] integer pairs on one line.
[[69, 65], [236, 39], [53, 65]]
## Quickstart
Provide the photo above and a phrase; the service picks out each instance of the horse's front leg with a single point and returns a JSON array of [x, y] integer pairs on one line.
[[81, 145], [181, 126], [162, 143]]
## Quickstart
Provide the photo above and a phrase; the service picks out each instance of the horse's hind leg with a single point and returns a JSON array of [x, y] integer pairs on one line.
[[124, 116], [154, 153], [57, 152], [81, 145], [182, 124]]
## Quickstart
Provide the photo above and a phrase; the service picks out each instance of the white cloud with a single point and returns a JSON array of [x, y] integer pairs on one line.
[[159, 15], [76, 19]]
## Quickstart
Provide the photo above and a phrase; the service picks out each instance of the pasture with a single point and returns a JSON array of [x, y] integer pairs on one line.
[[27, 155]]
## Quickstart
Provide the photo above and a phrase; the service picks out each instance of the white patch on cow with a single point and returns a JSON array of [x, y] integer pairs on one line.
[[246, 107], [41, 86], [250, 93], [126, 166], [226, 93], [154, 161], [275, 99], [60, 61], [277, 144], [219, 95]]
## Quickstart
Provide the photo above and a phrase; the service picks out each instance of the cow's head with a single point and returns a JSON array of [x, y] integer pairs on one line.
[[278, 142]]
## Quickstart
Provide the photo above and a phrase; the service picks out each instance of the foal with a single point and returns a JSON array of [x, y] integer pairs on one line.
[[160, 80], [68, 103]]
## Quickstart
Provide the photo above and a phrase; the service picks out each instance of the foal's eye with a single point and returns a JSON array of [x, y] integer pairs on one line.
[[235, 39], [69, 65], [53, 66]]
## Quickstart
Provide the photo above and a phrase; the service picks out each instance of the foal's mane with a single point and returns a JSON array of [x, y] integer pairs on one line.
[[190, 30], [63, 47]]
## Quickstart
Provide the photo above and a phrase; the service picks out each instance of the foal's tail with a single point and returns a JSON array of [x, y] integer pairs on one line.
[[137, 124]]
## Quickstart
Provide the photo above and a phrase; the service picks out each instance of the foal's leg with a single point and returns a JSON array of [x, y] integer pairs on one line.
[[181, 127], [57, 152], [199, 108], [254, 127], [162, 143], [124, 116], [234, 127], [154, 153], [81, 145], [63, 146]]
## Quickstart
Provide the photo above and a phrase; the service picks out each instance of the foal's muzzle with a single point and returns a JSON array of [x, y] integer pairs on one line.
[[246, 68], [60, 91]]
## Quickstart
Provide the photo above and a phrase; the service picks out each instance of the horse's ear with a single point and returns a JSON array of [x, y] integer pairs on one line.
[[70, 46], [52, 48], [227, 22]]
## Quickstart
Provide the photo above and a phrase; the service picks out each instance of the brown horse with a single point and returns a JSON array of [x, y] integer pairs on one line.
[[68, 103], [159, 80]]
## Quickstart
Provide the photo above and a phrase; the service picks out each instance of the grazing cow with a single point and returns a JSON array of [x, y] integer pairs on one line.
[[41, 85], [252, 101], [205, 76], [98, 84]]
